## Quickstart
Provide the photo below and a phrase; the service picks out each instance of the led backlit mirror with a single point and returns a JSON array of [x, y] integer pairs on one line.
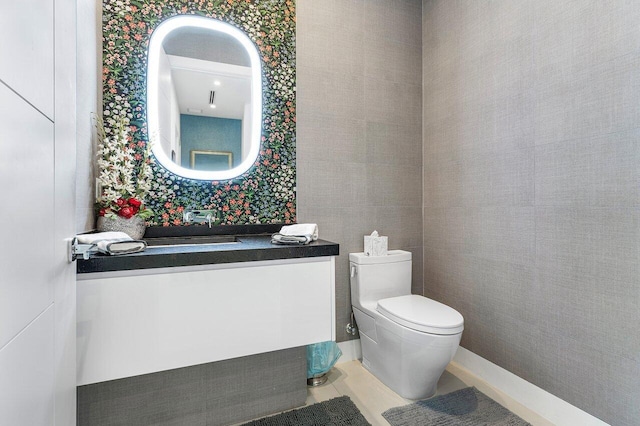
[[204, 98]]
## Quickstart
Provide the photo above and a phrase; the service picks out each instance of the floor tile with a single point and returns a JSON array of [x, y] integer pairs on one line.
[[373, 398]]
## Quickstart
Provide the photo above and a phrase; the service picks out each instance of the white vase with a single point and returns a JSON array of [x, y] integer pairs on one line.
[[134, 226]]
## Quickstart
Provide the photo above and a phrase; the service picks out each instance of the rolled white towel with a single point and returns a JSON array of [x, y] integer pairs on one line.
[[301, 230], [290, 239], [113, 242]]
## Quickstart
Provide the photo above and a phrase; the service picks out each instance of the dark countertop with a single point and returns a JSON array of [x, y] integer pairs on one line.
[[249, 248]]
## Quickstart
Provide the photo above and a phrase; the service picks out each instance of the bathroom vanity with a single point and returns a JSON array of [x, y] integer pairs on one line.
[[239, 304], [176, 305]]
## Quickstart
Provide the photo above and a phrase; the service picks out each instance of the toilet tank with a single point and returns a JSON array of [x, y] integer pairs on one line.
[[378, 277]]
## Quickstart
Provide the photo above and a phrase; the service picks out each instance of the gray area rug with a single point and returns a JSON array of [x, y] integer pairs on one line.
[[337, 411], [463, 407]]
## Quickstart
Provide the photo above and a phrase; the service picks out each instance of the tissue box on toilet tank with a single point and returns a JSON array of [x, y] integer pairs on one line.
[[375, 245]]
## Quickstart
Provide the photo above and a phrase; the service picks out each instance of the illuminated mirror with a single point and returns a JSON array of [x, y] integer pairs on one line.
[[204, 98]]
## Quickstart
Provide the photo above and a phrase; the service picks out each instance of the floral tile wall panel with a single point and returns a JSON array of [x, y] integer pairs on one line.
[[263, 194]]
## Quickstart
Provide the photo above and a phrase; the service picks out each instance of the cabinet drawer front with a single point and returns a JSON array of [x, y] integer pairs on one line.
[[129, 326]]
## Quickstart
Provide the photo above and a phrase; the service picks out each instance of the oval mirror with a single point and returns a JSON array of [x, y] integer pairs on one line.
[[204, 98]]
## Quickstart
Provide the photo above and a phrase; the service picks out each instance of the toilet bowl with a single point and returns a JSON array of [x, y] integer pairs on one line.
[[407, 340]]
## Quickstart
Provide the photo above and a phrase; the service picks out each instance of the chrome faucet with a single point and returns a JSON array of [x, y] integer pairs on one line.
[[199, 216]]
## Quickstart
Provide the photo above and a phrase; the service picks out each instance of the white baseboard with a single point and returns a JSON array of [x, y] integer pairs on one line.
[[548, 406], [351, 350]]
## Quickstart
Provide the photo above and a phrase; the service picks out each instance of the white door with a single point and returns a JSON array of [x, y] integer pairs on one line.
[[37, 205]]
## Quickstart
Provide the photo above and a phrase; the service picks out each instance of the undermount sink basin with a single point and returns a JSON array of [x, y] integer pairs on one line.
[[191, 240]]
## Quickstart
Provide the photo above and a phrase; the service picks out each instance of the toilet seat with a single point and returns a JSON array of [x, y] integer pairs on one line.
[[421, 314]]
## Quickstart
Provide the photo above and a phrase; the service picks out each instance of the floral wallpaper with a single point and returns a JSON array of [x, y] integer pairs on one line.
[[266, 192]]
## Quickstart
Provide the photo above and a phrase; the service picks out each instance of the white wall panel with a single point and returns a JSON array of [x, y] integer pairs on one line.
[[26, 375], [37, 165], [63, 277], [129, 326], [26, 49], [26, 169]]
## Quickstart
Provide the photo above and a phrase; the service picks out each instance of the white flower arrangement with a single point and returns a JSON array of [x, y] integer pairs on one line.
[[124, 174]]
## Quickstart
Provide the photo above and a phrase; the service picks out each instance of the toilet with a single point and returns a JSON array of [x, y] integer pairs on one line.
[[407, 340]]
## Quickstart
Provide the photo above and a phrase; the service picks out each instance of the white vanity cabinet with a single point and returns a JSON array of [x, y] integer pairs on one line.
[[143, 321]]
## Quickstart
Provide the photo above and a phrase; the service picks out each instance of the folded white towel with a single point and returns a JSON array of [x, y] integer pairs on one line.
[[99, 236], [301, 230], [112, 242]]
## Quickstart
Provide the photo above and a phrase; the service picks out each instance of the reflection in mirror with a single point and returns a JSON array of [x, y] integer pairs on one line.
[[204, 98]]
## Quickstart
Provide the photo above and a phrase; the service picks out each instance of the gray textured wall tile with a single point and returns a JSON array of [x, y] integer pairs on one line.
[[346, 226], [392, 101], [503, 178], [492, 233], [531, 188], [359, 119], [599, 171], [390, 185], [504, 293], [578, 35], [208, 394], [401, 224], [589, 247], [255, 387], [596, 100], [588, 263], [329, 92], [345, 136], [400, 61], [444, 178], [444, 229], [393, 143], [342, 184], [397, 20]]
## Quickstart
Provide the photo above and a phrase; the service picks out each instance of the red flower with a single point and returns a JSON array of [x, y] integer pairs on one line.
[[126, 212], [102, 212], [135, 202], [121, 202]]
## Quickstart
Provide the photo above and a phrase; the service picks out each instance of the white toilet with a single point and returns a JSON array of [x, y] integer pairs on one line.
[[407, 340]]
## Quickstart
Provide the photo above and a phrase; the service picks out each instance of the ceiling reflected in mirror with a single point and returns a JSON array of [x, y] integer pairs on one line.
[[204, 98]]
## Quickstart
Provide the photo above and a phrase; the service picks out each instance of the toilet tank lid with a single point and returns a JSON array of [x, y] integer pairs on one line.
[[392, 256], [422, 314]]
